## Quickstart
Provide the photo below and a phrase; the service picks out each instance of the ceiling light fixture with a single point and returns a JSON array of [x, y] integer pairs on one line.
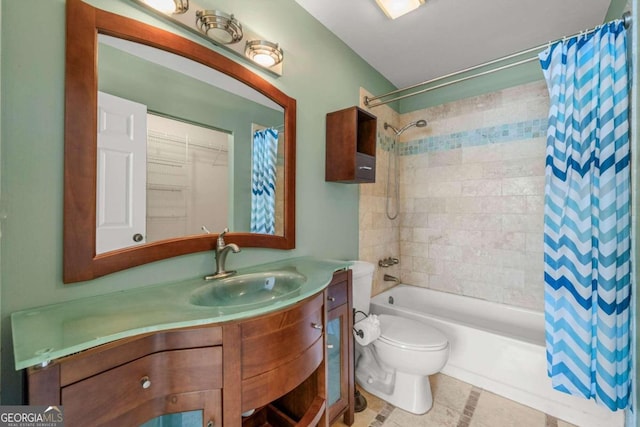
[[264, 52], [396, 8], [170, 7], [219, 26]]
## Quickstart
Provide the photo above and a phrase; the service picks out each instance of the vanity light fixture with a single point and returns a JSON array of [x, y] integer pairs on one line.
[[173, 7], [219, 26], [396, 8], [264, 52]]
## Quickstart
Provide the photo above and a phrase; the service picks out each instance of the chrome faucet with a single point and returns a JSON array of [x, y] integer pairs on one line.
[[222, 250]]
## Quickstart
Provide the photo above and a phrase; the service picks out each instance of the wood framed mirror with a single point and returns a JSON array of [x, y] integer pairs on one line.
[[81, 260]]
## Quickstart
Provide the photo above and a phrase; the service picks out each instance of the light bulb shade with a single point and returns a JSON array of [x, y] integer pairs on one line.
[[396, 8], [264, 52], [169, 7], [219, 26]]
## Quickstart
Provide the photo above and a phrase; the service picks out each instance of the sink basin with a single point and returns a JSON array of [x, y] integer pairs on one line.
[[249, 290]]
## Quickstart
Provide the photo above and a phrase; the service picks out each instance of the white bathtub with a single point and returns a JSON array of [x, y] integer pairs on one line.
[[496, 347]]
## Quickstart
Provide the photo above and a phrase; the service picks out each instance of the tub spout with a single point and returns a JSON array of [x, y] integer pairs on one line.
[[390, 278]]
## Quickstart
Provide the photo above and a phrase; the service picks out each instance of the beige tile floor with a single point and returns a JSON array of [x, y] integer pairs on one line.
[[455, 404]]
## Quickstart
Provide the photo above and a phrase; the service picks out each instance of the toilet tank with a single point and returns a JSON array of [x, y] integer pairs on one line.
[[362, 273]]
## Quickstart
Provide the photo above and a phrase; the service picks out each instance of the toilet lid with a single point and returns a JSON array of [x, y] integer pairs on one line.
[[411, 334]]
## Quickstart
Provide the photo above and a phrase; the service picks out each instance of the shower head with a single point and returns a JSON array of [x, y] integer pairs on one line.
[[420, 124]]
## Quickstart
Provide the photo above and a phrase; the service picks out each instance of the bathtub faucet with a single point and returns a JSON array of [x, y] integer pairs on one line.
[[388, 262], [390, 278]]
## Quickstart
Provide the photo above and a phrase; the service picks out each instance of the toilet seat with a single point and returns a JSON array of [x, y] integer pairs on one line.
[[410, 334]]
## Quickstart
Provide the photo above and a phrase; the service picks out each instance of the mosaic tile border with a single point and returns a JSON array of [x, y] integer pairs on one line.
[[527, 129], [386, 142], [382, 416], [469, 407]]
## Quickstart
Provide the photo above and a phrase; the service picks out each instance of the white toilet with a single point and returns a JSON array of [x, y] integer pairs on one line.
[[396, 366]]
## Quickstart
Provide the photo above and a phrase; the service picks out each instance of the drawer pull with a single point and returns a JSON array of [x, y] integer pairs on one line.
[[210, 423], [331, 299], [367, 168], [329, 346], [316, 326], [145, 382]]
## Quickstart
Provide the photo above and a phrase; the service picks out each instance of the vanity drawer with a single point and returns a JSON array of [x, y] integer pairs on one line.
[[337, 292], [273, 340], [102, 358], [142, 382], [280, 351], [261, 389]]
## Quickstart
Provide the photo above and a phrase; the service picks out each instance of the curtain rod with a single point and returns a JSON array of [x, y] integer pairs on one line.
[[626, 18]]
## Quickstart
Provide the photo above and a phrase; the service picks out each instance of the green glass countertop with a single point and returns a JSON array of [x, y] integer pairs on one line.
[[46, 333]]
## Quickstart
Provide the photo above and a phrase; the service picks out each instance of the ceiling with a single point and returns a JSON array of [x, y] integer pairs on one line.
[[444, 36]]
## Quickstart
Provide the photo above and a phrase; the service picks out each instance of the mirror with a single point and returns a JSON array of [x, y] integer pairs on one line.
[[83, 80], [187, 150]]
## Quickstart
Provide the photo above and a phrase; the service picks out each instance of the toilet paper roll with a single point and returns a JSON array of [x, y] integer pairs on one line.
[[367, 330]]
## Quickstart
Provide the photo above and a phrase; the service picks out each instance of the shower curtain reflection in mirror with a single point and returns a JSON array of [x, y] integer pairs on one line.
[[263, 181]]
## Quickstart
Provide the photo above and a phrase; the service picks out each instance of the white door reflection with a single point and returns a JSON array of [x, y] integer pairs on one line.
[[121, 176]]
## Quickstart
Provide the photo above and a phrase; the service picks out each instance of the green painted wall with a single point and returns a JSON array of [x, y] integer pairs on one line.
[[319, 71]]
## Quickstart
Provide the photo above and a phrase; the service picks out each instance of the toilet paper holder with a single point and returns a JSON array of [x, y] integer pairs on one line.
[[358, 332]]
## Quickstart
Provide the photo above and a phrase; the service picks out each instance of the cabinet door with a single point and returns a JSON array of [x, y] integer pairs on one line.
[[181, 419], [188, 418], [203, 408], [339, 364]]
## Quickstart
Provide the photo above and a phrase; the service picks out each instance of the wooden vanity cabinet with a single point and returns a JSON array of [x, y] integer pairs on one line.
[[350, 146], [272, 366]]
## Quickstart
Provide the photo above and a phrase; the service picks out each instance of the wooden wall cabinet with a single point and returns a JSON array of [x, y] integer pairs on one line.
[[351, 146], [274, 365]]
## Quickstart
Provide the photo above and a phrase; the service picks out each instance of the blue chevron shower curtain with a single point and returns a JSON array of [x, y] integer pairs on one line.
[[586, 217], [263, 181]]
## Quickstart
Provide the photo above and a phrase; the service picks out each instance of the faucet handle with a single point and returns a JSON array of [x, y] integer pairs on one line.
[[221, 242], [205, 229]]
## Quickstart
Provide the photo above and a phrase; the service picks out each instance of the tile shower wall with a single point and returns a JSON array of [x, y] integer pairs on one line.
[[379, 237], [472, 185]]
